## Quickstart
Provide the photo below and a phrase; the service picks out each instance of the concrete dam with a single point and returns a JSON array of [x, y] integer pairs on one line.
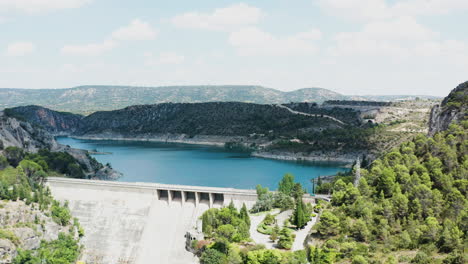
[[140, 223]]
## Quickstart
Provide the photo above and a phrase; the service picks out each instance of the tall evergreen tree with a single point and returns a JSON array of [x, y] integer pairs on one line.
[[244, 215], [299, 216]]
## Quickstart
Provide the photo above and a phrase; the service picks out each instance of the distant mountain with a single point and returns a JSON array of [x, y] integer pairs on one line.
[[92, 98], [393, 98], [88, 99]]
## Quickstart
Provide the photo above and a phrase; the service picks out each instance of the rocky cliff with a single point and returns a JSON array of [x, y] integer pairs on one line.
[[53, 121], [454, 108], [15, 132]]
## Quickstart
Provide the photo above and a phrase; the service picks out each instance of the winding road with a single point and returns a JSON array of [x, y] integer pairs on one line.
[[311, 115]]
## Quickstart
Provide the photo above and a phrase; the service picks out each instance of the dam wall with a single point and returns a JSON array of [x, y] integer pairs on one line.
[[140, 222]]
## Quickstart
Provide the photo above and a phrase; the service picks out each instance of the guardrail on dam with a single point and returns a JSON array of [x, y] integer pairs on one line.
[[168, 192]]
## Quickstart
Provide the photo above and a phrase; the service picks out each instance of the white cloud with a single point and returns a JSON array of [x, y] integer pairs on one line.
[[38, 6], [382, 9], [400, 41], [253, 41], [136, 30], [89, 49], [20, 48], [221, 19], [164, 58], [395, 37]]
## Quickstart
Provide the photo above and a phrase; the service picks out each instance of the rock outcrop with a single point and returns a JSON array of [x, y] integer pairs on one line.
[[26, 226], [55, 122], [32, 137], [453, 109], [16, 133]]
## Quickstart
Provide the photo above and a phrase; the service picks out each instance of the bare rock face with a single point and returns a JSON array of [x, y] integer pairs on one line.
[[16, 133], [7, 251], [28, 225], [453, 109], [56, 123], [30, 136]]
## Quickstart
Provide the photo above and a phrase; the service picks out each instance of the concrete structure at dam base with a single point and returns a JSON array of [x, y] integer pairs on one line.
[[141, 223]]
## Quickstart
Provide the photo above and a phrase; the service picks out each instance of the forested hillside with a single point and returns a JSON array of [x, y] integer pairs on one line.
[[226, 119], [410, 205], [92, 98]]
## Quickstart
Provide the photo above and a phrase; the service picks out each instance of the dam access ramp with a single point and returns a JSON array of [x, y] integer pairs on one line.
[[140, 223]]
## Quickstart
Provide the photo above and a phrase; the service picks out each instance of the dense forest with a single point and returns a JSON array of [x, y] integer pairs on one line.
[[409, 206]]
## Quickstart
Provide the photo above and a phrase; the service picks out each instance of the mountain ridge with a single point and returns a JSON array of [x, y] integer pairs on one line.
[[87, 99]]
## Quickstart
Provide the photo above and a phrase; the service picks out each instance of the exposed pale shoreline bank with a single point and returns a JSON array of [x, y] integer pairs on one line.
[[220, 141], [347, 162]]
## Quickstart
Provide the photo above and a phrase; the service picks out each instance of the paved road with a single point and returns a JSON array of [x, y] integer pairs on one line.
[[311, 115], [302, 234]]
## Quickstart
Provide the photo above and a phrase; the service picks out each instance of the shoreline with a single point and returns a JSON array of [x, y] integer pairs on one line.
[[219, 142], [345, 162], [160, 140]]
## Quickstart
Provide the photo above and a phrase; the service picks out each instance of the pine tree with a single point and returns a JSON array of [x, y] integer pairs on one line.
[[232, 208], [299, 217], [275, 233], [244, 215], [204, 223]]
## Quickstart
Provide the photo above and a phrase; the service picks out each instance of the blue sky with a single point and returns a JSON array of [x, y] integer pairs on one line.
[[349, 46]]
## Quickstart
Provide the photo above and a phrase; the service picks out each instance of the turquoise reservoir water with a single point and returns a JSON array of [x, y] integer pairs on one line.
[[197, 165]]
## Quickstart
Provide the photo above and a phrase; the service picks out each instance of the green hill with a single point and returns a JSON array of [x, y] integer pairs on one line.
[[88, 99]]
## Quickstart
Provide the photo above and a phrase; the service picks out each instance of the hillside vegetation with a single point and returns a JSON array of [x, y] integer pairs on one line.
[[411, 205], [308, 130], [88, 99], [226, 119], [34, 228]]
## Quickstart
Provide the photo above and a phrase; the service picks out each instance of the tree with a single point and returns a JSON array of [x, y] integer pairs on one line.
[[360, 230], [285, 238], [275, 233], [3, 162], [297, 191], [226, 231], [212, 256], [329, 224], [300, 219], [14, 155], [232, 208], [451, 237], [283, 201], [286, 184], [359, 260], [244, 215], [234, 255], [386, 181], [261, 191]]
